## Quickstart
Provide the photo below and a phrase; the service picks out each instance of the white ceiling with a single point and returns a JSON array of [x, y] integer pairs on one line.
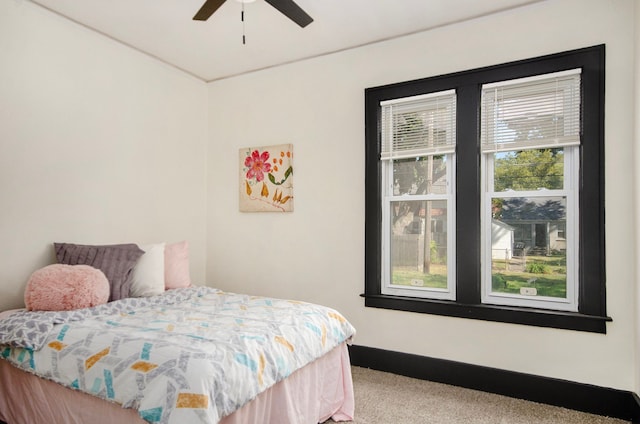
[[213, 49]]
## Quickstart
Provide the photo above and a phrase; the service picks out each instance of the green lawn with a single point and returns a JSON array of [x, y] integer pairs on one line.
[[551, 283], [437, 279]]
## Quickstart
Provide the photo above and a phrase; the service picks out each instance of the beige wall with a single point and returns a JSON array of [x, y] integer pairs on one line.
[[316, 253], [98, 144]]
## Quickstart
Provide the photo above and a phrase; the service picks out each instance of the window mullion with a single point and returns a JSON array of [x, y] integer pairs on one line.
[[468, 195]]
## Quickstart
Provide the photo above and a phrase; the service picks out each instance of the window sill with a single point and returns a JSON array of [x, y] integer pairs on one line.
[[524, 316]]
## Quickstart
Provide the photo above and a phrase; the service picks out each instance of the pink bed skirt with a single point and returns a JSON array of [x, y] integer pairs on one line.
[[313, 394]]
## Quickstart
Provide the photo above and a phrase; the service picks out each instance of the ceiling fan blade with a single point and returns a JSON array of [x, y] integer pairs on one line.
[[292, 11], [207, 9]]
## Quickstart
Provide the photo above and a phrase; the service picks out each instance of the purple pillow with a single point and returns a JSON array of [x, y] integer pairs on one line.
[[115, 260]]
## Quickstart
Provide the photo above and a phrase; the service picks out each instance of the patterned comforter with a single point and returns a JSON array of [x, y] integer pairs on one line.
[[190, 355]]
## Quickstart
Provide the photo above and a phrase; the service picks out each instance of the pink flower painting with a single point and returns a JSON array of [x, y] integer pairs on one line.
[[266, 179], [258, 165]]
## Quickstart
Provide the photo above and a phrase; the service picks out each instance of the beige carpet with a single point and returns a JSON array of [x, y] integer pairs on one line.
[[383, 398]]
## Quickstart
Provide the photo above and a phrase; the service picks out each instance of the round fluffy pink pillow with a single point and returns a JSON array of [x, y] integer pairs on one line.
[[60, 287]]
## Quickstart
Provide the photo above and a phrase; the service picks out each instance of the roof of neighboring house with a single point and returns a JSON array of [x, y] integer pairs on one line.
[[526, 209], [502, 224]]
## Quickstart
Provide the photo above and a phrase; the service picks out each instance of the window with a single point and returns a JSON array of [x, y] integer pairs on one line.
[[484, 193], [418, 145], [530, 136]]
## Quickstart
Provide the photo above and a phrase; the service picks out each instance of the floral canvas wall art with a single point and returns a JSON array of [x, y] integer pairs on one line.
[[266, 179]]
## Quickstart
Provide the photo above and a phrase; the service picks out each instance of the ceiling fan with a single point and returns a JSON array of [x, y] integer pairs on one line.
[[287, 7]]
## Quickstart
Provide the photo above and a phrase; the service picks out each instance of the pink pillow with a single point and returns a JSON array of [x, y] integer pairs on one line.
[[61, 287], [176, 266]]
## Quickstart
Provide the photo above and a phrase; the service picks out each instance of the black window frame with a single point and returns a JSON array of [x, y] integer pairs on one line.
[[591, 315]]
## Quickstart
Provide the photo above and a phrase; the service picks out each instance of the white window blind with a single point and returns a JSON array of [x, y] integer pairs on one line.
[[419, 125], [531, 113]]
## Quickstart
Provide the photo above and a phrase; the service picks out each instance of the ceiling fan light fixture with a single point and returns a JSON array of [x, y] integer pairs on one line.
[[245, 1]]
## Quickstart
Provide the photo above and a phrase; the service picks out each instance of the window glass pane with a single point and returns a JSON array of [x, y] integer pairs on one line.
[[529, 169], [419, 244], [420, 175], [528, 248]]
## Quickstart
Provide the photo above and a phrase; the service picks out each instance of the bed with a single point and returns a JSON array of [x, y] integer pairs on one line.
[[196, 355]]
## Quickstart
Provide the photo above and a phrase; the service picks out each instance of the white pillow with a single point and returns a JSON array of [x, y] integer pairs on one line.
[[148, 274]]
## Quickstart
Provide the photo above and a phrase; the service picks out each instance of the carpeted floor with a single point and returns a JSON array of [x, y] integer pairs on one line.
[[383, 398]]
